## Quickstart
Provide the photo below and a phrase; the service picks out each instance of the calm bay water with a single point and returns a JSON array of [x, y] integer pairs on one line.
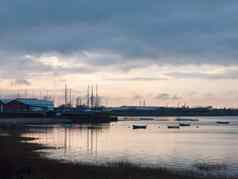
[[205, 142]]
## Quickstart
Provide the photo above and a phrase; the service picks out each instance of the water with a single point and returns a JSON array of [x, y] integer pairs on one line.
[[205, 142]]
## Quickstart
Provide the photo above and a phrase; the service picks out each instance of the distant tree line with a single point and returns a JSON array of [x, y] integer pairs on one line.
[[174, 111]]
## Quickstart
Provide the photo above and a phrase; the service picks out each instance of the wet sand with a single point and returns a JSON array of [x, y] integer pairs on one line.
[[19, 160]]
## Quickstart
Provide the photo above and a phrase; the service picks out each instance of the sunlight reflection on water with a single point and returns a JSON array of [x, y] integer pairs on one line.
[[157, 146]]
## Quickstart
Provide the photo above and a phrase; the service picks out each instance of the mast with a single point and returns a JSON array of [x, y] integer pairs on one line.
[[96, 99], [70, 97], [92, 97], [88, 100], [65, 95]]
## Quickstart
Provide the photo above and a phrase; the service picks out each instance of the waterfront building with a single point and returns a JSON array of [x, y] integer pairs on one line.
[[28, 105], [3, 102]]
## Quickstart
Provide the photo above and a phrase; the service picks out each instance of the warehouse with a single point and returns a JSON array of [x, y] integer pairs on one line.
[[3, 102], [28, 104]]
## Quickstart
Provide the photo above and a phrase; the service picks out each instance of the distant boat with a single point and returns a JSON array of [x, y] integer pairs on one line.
[[184, 124], [187, 119], [130, 119], [223, 122], [146, 118], [174, 127], [139, 126]]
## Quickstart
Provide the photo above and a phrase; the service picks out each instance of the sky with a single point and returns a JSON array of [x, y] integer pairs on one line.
[[165, 52]]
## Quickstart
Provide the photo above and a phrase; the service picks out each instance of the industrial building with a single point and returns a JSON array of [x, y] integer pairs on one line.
[[3, 102], [25, 105]]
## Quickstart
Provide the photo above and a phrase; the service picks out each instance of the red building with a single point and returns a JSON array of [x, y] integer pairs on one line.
[[3, 103], [1, 106], [16, 106], [25, 104]]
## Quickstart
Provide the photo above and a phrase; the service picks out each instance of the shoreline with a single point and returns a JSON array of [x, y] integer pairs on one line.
[[20, 160]]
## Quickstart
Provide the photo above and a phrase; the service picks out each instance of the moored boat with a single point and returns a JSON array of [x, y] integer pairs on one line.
[[173, 127], [223, 122], [146, 118], [184, 124], [187, 119], [139, 126]]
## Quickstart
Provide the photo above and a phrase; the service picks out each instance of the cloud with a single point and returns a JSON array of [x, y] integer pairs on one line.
[[156, 32], [166, 96], [136, 79], [108, 39], [20, 82], [227, 74], [28, 66]]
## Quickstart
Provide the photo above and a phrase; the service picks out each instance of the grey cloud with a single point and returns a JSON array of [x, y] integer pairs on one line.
[[161, 32], [229, 74], [13, 67], [138, 79], [167, 96], [22, 82]]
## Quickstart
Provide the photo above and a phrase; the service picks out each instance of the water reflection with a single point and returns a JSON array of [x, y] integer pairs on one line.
[[84, 138], [67, 138], [156, 146]]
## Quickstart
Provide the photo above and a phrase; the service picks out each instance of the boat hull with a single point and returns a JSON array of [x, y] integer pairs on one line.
[[223, 122], [173, 127], [184, 125], [139, 127]]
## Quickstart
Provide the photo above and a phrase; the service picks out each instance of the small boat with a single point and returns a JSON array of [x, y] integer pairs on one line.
[[139, 126], [174, 127], [184, 124], [146, 119], [223, 122], [187, 119], [130, 119]]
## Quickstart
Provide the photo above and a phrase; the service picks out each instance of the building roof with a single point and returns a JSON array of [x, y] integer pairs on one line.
[[36, 102], [5, 100]]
